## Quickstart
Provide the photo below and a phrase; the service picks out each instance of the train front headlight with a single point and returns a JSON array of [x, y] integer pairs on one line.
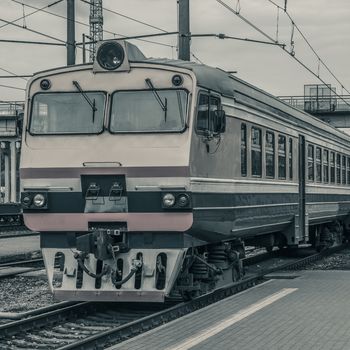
[[110, 55], [39, 200], [183, 200], [26, 201], [168, 200]]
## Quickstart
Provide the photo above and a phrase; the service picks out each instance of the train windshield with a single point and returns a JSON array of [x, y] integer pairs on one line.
[[67, 113], [148, 111]]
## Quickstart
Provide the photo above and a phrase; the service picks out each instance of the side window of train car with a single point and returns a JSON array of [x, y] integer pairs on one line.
[[203, 113], [318, 164], [325, 166], [338, 168], [310, 163], [348, 169], [343, 170], [281, 157], [256, 152], [243, 149], [332, 167], [206, 117], [270, 154], [290, 157]]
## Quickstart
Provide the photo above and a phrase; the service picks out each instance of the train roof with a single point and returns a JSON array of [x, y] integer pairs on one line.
[[228, 85]]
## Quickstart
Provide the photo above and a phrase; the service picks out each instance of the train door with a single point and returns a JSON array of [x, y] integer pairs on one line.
[[302, 213]]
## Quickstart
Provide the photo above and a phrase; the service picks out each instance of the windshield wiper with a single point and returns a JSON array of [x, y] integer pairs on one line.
[[163, 105], [91, 103]]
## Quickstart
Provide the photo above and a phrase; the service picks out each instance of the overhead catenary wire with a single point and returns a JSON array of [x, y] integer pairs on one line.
[[32, 13], [127, 17], [87, 25], [12, 73], [10, 41], [11, 87], [281, 46], [18, 76], [321, 61]]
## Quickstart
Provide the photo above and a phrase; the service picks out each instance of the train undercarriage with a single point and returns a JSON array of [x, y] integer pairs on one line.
[[103, 267]]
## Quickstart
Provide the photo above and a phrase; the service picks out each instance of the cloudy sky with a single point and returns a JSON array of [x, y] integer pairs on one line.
[[325, 23]]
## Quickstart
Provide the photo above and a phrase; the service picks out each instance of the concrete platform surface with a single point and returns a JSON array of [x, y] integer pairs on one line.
[[19, 245], [311, 311]]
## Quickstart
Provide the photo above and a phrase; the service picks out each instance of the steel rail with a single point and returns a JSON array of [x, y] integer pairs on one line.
[[122, 332], [119, 334], [47, 318]]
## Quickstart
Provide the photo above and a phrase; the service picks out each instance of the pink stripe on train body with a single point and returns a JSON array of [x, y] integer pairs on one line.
[[179, 222], [148, 171]]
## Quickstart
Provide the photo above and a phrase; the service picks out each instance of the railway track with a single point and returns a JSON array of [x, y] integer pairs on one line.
[[96, 326]]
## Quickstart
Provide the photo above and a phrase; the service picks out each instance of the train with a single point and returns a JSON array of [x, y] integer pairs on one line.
[[11, 116], [147, 177]]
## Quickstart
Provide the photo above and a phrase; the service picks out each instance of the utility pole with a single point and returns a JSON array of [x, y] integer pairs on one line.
[[96, 25], [70, 32], [184, 30]]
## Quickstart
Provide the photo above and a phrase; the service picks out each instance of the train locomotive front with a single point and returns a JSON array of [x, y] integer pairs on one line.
[[104, 175]]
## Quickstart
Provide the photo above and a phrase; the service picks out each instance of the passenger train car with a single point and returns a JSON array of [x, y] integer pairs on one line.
[[146, 177]]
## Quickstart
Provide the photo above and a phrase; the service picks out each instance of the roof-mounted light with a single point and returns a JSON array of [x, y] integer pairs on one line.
[[110, 55]]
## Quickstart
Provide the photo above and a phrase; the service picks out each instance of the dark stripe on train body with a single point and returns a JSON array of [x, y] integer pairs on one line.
[[150, 202]]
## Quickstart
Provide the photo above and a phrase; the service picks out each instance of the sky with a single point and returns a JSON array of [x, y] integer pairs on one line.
[[325, 23]]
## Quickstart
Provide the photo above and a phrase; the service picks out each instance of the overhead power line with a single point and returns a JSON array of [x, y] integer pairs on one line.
[[30, 42], [125, 16], [18, 76], [11, 87], [87, 25], [291, 54], [321, 61], [32, 30], [32, 13], [12, 73]]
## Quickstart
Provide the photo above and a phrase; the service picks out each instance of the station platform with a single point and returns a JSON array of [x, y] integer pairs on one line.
[[300, 310], [18, 246]]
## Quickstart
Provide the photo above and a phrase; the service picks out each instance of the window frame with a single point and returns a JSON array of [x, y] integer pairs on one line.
[[279, 155], [325, 166], [186, 116], [245, 149], [318, 162], [270, 151], [310, 160], [105, 106], [255, 150], [210, 95]]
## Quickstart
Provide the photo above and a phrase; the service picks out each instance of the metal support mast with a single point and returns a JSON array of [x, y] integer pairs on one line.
[[96, 26], [70, 32], [184, 30]]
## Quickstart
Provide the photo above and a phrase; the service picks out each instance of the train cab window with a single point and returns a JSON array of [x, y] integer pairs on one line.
[[244, 150], [256, 152], [318, 164], [325, 166], [343, 170], [332, 160], [270, 154], [207, 106], [348, 169], [310, 163], [281, 157], [290, 158], [62, 113], [338, 168]]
